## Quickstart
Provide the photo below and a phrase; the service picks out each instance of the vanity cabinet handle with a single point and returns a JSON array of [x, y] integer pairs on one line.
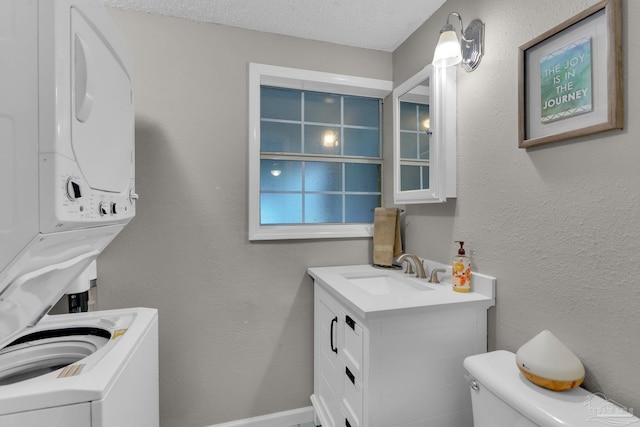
[[333, 348], [350, 322], [350, 375]]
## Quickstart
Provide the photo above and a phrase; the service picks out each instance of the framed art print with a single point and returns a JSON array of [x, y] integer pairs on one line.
[[570, 78]]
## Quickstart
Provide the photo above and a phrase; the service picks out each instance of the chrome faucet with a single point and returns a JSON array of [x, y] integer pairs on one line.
[[421, 274]]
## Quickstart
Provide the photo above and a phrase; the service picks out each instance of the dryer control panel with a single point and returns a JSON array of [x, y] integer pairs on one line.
[[70, 202]]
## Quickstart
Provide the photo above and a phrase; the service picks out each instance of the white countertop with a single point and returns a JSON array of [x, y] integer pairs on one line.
[[336, 280]]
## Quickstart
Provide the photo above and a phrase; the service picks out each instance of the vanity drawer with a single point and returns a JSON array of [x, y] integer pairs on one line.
[[352, 398], [353, 344]]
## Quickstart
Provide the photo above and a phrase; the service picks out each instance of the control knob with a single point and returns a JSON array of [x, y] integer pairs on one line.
[[73, 189], [104, 208]]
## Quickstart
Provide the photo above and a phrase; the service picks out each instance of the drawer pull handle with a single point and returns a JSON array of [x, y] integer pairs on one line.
[[333, 348], [350, 376], [349, 321]]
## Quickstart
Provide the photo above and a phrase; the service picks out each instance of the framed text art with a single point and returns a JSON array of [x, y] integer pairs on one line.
[[570, 78]]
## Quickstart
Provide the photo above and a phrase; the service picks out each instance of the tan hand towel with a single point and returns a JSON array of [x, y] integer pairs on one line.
[[386, 236]]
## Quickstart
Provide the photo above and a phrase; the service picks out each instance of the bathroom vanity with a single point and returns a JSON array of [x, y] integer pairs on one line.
[[389, 348]]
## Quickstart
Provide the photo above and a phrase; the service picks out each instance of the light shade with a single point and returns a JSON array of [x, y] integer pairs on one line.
[[447, 51]]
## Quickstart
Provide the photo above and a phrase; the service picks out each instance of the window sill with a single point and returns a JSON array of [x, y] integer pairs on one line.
[[320, 231]]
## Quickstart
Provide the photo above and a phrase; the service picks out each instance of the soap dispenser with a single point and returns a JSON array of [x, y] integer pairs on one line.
[[461, 270]]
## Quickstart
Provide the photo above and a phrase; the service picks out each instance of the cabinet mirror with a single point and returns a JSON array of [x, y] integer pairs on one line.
[[424, 137]]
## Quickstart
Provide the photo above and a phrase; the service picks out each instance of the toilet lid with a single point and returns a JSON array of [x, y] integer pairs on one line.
[[498, 372]]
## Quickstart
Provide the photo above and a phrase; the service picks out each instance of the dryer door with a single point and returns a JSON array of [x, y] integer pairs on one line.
[[102, 109]]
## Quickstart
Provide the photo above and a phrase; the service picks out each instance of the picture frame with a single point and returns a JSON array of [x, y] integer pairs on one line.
[[570, 78]]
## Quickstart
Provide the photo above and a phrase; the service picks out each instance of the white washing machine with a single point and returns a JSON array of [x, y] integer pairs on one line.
[[93, 369], [67, 188]]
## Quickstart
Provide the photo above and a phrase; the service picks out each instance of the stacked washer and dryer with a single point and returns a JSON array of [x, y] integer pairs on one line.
[[67, 189]]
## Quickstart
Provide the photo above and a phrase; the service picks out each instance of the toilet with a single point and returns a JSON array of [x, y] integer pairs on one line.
[[502, 397]]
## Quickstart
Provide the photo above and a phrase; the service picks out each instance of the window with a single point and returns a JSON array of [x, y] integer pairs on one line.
[[315, 155], [414, 146]]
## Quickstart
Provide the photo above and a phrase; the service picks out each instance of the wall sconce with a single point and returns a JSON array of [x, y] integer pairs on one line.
[[449, 51]]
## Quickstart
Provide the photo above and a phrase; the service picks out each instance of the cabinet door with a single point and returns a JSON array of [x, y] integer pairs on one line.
[[328, 378]]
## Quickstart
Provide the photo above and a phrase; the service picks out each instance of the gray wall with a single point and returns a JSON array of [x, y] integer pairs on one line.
[[235, 317], [559, 225]]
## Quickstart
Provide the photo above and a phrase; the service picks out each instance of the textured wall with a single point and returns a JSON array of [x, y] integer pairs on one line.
[[235, 317], [559, 225]]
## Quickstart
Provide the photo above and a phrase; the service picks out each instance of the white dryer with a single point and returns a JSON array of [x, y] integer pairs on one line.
[[67, 188]]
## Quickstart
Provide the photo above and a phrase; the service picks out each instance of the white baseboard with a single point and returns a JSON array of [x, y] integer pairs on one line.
[[279, 419]]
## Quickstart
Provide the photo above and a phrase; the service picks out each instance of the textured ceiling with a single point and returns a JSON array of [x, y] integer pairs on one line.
[[373, 24]]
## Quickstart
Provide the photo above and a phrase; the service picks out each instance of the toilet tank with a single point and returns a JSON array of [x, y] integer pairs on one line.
[[502, 397]]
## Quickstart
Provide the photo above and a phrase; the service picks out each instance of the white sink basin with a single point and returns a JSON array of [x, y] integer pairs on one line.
[[384, 284]]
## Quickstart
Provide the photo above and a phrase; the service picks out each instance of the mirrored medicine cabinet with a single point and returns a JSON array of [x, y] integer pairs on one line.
[[424, 137]]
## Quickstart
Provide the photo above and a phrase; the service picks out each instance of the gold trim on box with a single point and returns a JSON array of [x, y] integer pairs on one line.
[[554, 385]]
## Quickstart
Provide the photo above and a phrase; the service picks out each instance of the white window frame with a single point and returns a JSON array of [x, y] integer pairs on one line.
[[294, 78]]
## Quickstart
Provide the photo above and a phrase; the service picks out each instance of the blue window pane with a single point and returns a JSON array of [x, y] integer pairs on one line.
[[362, 177], [408, 145], [423, 117], [280, 137], [409, 178], [321, 107], [280, 208], [361, 111], [408, 116], [424, 146], [276, 103], [323, 208], [322, 176], [361, 142], [321, 140], [360, 208], [280, 175], [425, 177]]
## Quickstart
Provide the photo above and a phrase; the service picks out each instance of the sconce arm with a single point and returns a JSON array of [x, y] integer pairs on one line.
[[449, 27]]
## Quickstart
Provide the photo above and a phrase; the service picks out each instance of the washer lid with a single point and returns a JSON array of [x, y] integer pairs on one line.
[[31, 295]]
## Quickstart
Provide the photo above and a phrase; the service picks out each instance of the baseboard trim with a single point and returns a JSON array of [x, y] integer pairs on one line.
[[279, 419]]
